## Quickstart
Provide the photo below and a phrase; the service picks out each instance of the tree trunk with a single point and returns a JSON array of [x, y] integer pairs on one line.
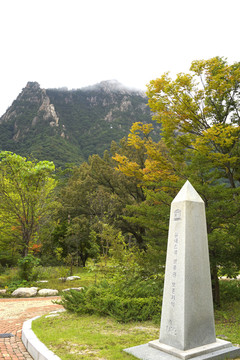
[[25, 251], [83, 259], [25, 240], [215, 286]]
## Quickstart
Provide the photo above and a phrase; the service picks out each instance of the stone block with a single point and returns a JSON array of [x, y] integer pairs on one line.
[[74, 288], [47, 292], [74, 277], [25, 292]]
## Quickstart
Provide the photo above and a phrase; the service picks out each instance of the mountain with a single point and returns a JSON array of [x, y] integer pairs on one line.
[[66, 126]]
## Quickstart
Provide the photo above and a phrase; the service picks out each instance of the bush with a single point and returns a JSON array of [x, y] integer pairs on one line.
[[229, 290], [26, 266], [15, 284], [7, 259], [124, 300], [9, 275]]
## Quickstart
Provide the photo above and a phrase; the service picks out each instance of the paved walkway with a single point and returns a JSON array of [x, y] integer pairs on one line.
[[13, 312]]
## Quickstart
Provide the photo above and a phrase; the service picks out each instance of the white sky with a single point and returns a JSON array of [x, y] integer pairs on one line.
[[75, 43]]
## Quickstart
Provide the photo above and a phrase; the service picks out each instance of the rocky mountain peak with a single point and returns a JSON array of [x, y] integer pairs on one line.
[[33, 85], [31, 105], [69, 125]]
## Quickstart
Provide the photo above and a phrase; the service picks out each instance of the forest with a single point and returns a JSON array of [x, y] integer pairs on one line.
[[115, 208]]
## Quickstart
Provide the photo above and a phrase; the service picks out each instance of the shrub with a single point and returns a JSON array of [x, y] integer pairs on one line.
[[124, 300], [230, 290], [26, 266], [10, 274], [15, 284]]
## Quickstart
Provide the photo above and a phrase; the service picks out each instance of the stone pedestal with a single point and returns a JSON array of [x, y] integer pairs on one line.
[[187, 322]]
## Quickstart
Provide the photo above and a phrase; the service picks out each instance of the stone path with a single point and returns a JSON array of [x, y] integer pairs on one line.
[[13, 312]]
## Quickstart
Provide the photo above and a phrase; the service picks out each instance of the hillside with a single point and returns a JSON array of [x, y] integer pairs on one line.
[[66, 126]]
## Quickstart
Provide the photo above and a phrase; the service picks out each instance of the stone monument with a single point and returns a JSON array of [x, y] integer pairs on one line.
[[187, 322]]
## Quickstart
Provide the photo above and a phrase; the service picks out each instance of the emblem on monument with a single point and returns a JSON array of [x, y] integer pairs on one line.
[[177, 215]]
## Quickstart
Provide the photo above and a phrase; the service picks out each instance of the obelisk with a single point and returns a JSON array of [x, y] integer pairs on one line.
[[187, 322], [187, 319]]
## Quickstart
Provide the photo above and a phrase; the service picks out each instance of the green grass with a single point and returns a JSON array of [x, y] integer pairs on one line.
[[227, 322], [86, 278], [91, 337]]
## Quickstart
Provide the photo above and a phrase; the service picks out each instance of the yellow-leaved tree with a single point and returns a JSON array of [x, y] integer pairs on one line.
[[150, 164], [200, 117]]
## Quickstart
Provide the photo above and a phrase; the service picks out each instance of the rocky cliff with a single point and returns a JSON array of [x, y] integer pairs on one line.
[[69, 125]]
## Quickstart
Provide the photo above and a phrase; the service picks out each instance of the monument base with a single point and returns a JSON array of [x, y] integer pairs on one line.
[[155, 350]]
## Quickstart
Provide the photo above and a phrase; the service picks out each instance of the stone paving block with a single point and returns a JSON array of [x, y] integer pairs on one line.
[[13, 348]]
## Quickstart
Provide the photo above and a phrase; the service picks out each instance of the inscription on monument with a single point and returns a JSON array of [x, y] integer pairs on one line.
[[171, 329], [174, 269]]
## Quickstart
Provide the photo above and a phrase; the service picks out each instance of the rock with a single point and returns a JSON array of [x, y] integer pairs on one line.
[[3, 291], [70, 278], [47, 292], [25, 292], [42, 281], [74, 288]]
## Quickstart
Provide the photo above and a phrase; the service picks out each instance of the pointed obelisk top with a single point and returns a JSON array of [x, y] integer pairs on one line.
[[187, 193]]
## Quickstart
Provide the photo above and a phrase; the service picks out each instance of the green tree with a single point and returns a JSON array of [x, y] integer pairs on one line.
[[200, 119], [26, 198], [122, 190], [80, 240], [99, 193]]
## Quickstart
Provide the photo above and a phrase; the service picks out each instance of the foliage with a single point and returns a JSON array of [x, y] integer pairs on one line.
[[151, 166], [93, 204], [126, 194], [15, 284], [26, 194], [199, 115], [26, 266], [125, 293], [230, 291], [73, 233], [7, 276], [124, 300]]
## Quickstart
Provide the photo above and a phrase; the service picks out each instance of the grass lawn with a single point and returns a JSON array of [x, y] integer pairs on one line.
[[227, 322], [72, 337], [97, 338]]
